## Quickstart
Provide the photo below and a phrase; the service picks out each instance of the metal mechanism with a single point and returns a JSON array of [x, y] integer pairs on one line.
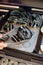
[[21, 29]]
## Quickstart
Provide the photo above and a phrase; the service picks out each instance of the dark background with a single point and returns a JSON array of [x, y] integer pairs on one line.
[[10, 1], [33, 3]]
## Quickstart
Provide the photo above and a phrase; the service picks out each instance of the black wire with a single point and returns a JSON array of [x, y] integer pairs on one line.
[[4, 19]]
